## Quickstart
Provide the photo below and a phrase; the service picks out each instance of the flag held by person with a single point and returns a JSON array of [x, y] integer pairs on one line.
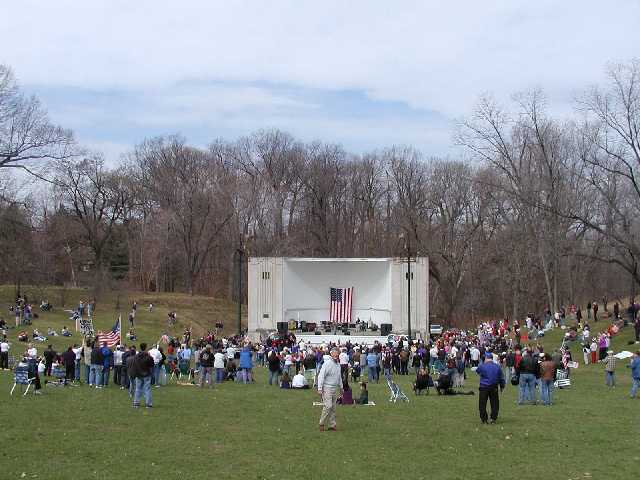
[[111, 338]]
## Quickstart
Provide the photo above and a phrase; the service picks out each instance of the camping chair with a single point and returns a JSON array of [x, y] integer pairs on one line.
[[562, 379], [437, 367], [176, 372], [21, 377], [396, 392]]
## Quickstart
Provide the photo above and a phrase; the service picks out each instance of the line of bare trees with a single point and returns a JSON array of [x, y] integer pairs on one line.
[[540, 213]]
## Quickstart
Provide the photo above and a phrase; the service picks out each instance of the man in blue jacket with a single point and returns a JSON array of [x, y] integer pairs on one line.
[[490, 379], [635, 374]]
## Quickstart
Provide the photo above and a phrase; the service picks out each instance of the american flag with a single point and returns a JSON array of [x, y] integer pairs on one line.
[[111, 338], [341, 302]]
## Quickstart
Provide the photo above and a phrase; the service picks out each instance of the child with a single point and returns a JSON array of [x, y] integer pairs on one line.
[[364, 394], [355, 372], [347, 395], [286, 381], [586, 351]]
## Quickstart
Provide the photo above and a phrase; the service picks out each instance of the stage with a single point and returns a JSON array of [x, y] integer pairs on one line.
[[289, 289]]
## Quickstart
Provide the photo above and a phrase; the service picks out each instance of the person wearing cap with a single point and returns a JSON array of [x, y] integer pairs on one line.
[[329, 383], [490, 379], [610, 369], [635, 373]]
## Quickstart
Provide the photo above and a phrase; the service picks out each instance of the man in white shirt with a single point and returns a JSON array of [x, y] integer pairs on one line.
[[218, 364], [231, 353], [474, 353], [343, 359], [78, 351], [4, 354], [329, 386], [157, 356], [32, 352], [299, 381]]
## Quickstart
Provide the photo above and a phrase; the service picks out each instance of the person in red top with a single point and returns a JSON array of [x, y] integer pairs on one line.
[[518, 358]]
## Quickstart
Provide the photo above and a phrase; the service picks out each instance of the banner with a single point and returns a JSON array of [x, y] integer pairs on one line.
[[86, 326]]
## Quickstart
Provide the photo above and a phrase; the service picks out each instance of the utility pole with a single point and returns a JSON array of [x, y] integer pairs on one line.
[[408, 288], [239, 254]]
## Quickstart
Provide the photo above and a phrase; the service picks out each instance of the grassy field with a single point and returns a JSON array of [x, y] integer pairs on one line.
[[256, 431]]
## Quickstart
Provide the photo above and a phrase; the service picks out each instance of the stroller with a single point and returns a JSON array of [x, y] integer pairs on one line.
[[422, 383], [396, 391]]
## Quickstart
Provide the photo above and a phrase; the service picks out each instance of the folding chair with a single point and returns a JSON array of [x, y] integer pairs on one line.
[[58, 372], [396, 392], [562, 379], [21, 377]]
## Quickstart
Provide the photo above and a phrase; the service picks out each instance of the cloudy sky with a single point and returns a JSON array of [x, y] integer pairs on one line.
[[366, 74]]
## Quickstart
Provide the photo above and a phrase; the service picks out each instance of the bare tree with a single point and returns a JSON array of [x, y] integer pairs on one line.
[[28, 141]]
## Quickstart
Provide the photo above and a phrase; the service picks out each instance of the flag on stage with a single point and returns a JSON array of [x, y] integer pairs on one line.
[[111, 338], [341, 303]]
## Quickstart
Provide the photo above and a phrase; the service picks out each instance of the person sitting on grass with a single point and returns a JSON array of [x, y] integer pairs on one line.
[[285, 382], [347, 394], [23, 337], [65, 332], [51, 332], [300, 382], [231, 371], [37, 336], [364, 395], [131, 334], [423, 381]]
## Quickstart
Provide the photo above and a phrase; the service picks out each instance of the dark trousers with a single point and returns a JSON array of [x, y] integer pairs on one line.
[[637, 334], [47, 368], [70, 372], [117, 374], [490, 393], [4, 359]]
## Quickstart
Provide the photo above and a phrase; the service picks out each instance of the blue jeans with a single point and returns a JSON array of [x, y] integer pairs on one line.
[[77, 371], [526, 392], [143, 387], [219, 375], [155, 375], [635, 385], [105, 376], [546, 391], [273, 377], [247, 375], [373, 374], [610, 379], [132, 386], [95, 375], [87, 370]]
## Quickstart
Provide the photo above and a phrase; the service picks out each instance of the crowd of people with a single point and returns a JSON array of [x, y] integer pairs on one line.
[[499, 352]]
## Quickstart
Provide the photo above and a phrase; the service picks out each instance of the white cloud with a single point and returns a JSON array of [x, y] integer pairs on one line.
[[429, 55]]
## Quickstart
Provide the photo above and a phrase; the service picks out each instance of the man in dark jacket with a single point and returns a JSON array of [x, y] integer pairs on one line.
[[142, 369], [97, 360], [49, 356], [127, 367], [528, 370]]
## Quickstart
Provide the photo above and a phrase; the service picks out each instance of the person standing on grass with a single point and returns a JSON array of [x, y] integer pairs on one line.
[[527, 369], [547, 376], [246, 363], [273, 360], [107, 360], [49, 356], [329, 383], [117, 365], [635, 373], [206, 366], [95, 376], [4, 353], [491, 379], [610, 369], [86, 356], [142, 366], [69, 361]]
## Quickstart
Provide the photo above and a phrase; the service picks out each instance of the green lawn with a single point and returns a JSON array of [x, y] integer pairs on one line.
[[256, 431]]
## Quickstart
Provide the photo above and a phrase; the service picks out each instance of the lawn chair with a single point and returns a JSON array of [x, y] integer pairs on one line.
[[396, 392], [176, 372], [562, 379], [21, 377]]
